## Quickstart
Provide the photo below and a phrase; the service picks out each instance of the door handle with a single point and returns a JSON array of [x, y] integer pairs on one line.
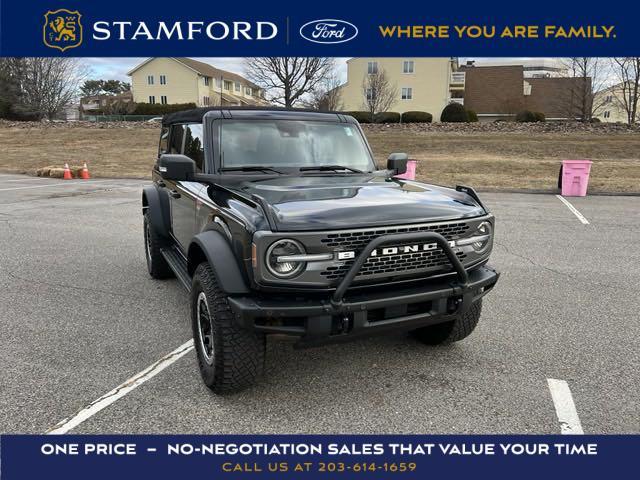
[[174, 194]]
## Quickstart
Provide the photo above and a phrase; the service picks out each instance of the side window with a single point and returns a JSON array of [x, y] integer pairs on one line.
[[164, 141], [193, 145], [175, 139]]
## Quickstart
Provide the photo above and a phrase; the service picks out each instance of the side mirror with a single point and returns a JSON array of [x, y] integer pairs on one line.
[[397, 163], [176, 167]]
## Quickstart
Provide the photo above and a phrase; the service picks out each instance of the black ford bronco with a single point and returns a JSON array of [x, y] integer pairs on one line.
[[279, 222]]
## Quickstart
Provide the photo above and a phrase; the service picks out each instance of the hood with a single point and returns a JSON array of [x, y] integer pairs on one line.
[[321, 202]]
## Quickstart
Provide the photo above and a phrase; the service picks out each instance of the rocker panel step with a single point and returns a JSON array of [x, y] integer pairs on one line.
[[179, 266]]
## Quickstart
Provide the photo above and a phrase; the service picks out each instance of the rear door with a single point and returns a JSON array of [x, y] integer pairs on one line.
[[185, 139]]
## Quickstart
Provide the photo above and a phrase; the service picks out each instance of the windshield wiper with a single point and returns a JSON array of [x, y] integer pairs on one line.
[[250, 168], [323, 168]]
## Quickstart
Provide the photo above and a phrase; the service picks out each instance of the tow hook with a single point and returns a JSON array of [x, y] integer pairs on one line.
[[454, 304], [344, 324], [341, 324]]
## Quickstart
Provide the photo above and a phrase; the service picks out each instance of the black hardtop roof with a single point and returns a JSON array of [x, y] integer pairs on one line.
[[196, 115]]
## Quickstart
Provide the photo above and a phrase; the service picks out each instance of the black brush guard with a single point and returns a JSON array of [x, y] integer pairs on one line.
[[346, 315]]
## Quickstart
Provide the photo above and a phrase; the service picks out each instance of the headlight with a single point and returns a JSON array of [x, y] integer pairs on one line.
[[278, 261], [483, 237], [480, 239]]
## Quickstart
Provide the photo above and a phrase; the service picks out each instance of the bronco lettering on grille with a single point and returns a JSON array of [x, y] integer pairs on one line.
[[424, 247]]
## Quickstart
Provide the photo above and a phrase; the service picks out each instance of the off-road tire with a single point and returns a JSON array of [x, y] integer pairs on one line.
[[156, 264], [453, 331], [237, 359]]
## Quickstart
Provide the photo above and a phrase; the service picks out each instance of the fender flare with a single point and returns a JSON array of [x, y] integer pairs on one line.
[[158, 207], [220, 256]]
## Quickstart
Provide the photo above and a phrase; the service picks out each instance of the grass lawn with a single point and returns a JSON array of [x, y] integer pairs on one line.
[[513, 161], [509, 160]]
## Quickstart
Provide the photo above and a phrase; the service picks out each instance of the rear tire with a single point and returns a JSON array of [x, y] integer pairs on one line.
[[230, 358], [156, 264], [453, 331]]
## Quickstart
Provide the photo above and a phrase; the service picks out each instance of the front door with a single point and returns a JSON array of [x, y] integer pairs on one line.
[[185, 139]]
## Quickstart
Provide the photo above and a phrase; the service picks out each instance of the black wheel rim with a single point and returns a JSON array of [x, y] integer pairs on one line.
[[205, 329]]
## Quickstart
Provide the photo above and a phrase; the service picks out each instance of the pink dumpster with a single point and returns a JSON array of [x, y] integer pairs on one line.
[[410, 174], [575, 177]]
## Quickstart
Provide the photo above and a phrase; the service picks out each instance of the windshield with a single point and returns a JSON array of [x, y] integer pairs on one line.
[[283, 144]]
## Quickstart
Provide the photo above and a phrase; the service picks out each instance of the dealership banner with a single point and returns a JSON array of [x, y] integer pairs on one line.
[[328, 28], [318, 456]]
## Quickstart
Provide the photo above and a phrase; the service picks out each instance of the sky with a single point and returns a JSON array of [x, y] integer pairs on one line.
[[117, 68]]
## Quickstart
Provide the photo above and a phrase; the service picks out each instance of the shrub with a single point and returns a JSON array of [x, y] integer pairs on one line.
[[540, 117], [417, 117], [473, 116], [160, 109], [526, 116], [454, 112], [387, 117], [361, 117], [595, 120]]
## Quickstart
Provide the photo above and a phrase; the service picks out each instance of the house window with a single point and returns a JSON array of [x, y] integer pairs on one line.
[[218, 82], [372, 68], [608, 99], [407, 93], [607, 114], [206, 101], [163, 79], [163, 99], [237, 86], [152, 99], [228, 85], [369, 93], [247, 91], [150, 79], [206, 81], [407, 66]]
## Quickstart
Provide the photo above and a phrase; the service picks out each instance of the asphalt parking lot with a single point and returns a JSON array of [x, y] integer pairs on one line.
[[79, 315]]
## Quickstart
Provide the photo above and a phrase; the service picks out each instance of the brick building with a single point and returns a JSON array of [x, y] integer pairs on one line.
[[500, 92]]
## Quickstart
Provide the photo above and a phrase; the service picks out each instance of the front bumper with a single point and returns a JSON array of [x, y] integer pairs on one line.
[[351, 315]]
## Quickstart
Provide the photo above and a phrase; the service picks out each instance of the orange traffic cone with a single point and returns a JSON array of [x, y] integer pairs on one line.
[[67, 172], [84, 173]]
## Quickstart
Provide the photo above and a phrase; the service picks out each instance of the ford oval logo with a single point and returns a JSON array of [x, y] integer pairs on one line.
[[328, 30]]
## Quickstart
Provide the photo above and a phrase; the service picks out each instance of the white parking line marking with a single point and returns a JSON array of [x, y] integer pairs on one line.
[[565, 408], [573, 209], [121, 390], [61, 184], [28, 179]]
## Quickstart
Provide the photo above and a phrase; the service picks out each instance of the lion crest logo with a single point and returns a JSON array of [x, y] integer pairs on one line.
[[62, 29]]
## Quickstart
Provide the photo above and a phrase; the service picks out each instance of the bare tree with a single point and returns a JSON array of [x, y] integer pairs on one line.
[[589, 75], [378, 92], [288, 80], [327, 96], [627, 93], [46, 85]]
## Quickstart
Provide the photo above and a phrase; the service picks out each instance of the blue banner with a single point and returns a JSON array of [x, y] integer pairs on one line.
[[311, 456], [328, 28]]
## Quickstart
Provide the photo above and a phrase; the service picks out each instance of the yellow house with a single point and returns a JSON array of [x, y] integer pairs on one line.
[[423, 84], [613, 104], [184, 80]]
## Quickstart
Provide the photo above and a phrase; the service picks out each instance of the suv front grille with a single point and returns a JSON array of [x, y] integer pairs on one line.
[[358, 240], [393, 265]]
